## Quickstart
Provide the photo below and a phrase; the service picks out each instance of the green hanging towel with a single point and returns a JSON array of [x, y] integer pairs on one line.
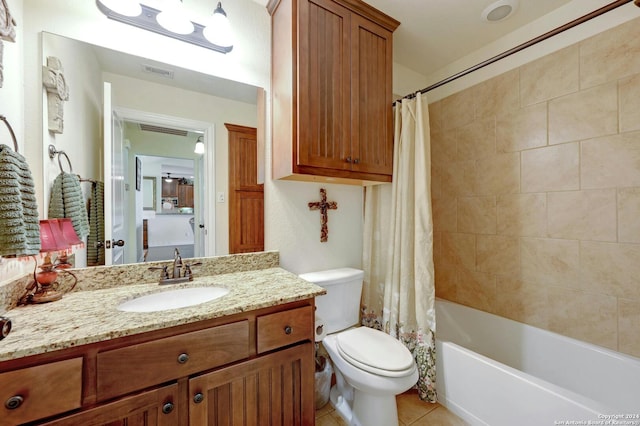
[[67, 201], [19, 219]]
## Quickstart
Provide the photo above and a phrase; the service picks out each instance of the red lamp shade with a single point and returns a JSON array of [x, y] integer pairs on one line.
[[69, 233], [57, 234], [51, 238]]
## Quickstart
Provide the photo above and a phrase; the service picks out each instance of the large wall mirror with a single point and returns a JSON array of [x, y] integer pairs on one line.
[[160, 111]]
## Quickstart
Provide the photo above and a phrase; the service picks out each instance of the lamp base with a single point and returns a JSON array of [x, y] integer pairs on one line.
[[45, 296]]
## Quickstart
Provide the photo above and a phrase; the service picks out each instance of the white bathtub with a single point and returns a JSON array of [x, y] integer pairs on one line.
[[494, 371]]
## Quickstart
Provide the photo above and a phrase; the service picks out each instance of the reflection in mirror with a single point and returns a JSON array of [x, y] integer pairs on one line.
[[145, 92], [148, 193]]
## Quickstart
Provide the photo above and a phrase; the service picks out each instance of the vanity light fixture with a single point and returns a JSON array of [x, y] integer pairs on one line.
[[215, 36], [199, 148]]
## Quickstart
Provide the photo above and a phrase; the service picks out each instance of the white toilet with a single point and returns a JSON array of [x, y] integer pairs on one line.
[[371, 367]]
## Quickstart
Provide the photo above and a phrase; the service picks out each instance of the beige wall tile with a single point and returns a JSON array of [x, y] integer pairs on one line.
[[459, 178], [443, 147], [629, 96], [610, 55], [435, 116], [523, 129], [457, 109], [583, 215], [628, 215], [436, 181], [550, 261], [499, 174], [628, 326], [444, 210], [476, 289], [498, 254], [459, 249], [550, 76], [587, 114], [585, 316], [446, 276], [522, 215], [610, 268], [499, 95], [477, 215], [522, 301], [553, 168], [477, 139], [611, 161]]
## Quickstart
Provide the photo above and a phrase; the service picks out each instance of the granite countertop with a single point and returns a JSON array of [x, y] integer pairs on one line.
[[91, 316]]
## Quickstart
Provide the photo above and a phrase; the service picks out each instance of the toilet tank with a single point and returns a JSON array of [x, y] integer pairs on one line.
[[340, 307]]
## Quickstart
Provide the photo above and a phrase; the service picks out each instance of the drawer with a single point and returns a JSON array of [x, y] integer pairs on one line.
[[284, 328], [41, 391], [135, 367]]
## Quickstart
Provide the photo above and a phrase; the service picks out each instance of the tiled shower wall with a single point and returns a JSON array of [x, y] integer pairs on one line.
[[536, 192]]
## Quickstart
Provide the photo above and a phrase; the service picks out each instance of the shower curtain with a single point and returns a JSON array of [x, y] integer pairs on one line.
[[399, 291]]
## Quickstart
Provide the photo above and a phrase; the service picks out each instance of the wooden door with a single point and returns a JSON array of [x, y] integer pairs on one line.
[[246, 196], [371, 97], [276, 389], [157, 407], [324, 91]]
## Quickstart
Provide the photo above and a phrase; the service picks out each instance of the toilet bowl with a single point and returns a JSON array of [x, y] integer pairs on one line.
[[371, 367]]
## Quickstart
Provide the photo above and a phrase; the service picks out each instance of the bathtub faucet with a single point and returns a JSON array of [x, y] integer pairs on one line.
[[178, 266]]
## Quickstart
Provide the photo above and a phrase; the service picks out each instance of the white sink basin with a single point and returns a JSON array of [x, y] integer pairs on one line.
[[172, 299]]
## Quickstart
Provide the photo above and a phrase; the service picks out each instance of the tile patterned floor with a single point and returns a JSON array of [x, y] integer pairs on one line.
[[411, 412]]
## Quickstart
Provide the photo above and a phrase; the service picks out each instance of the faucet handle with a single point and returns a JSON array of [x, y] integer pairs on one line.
[[164, 274], [187, 269]]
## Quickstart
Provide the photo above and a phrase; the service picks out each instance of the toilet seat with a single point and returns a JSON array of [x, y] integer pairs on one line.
[[376, 352]]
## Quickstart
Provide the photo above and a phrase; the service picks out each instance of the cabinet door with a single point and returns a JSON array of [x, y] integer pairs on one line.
[[276, 389], [185, 195], [324, 91], [170, 189], [156, 407], [371, 97]]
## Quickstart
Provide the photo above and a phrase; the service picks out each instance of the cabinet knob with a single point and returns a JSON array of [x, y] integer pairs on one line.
[[348, 159], [288, 329], [356, 161], [183, 358], [167, 408], [14, 402], [198, 398]]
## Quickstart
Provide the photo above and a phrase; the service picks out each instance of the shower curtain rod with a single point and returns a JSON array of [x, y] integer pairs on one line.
[[545, 36]]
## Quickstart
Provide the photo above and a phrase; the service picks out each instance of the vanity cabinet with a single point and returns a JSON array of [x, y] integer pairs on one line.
[[255, 366], [332, 91]]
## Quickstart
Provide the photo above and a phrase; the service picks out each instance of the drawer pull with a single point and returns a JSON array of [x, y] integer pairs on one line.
[[167, 408], [288, 329], [183, 358], [14, 402], [198, 398]]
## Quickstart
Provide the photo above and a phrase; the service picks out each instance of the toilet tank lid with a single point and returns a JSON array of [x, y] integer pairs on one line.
[[333, 276]]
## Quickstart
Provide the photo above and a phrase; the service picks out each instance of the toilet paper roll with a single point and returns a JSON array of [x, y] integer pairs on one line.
[[320, 329]]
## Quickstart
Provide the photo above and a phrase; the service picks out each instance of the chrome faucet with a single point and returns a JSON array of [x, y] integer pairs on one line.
[[177, 263], [177, 276]]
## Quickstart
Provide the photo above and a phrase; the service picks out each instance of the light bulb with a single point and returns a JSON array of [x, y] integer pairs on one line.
[[173, 18], [218, 31], [199, 149]]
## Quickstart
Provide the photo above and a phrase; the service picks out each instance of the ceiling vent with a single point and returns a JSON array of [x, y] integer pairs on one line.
[[157, 71], [165, 130]]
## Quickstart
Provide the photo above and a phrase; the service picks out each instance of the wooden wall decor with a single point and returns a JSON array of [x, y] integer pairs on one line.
[[7, 31], [323, 205], [57, 92]]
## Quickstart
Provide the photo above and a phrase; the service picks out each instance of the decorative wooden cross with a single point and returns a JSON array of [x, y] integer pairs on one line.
[[323, 206]]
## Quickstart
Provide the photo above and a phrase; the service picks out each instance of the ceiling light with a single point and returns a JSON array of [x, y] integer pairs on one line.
[[199, 149], [174, 18], [168, 179], [123, 7], [164, 22], [218, 31], [499, 10]]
